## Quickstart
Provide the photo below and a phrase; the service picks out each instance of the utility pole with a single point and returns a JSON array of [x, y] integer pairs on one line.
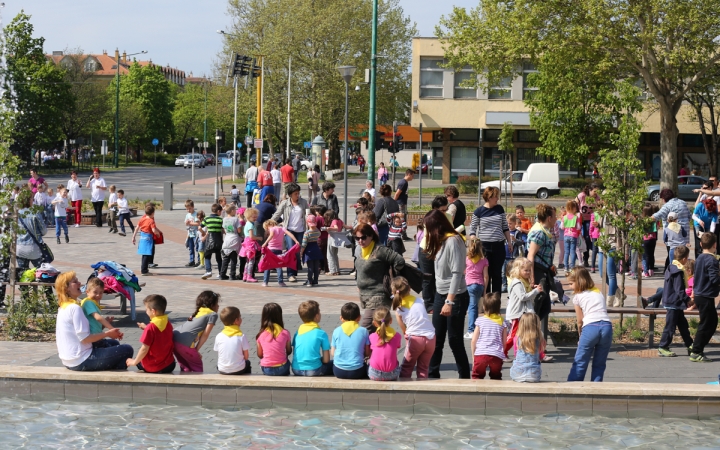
[[259, 104], [235, 147], [421, 155], [373, 74], [287, 144]]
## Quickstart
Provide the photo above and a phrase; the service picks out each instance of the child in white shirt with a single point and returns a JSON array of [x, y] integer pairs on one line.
[[123, 212], [112, 210], [232, 345], [61, 203]]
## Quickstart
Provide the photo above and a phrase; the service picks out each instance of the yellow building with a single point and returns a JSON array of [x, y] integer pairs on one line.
[[464, 120]]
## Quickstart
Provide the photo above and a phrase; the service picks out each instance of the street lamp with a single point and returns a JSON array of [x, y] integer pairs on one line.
[[346, 72], [117, 109], [317, 145]]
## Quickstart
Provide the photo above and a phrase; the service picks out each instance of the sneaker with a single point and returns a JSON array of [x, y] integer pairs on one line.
[[665, 352], [548, 359], [221, 277], [58, 240], [281, 284], [694, 357], [651, 272], [207, 275], [468, 335], [264, 284], [110, 230], [307, 283], [689, 349], [67, 239], [633, 276], [77, 225], [121, 234], [645, 275], [593, 270], [190, 264], [153, 265], [200, 267], [292, 279], [146, 274], [561, 266], [250, 279]]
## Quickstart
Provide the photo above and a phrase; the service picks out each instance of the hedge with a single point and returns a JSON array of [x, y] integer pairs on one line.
[[578, 183]]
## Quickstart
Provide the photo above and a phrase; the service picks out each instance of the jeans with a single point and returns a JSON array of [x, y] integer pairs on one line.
[[675, 318], [655, 299], [608, 272], [570, 246], [383, 231], [208, 258], [98, 206], [595, 341], [332, 259], [61, 222], [476, 294], [595, 250], [190, 244], [451, 325], [105, 343], [313, 271], [125, 217], [231, 260], [648, 259], [708, 323], [106, 358], [288, 244], [504, 273], [280, 371], [325, 369], [378, 375], [357, 374], [266, 275], [495, 253], [49, 215], [428, 283]]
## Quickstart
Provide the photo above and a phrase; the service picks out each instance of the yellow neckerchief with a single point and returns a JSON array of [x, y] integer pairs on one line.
[[349, 327], [275, 330], [594, 290], [309, 326], [88, 299], [541, 227], [203, 312], [389, 333], [526, 284], [475, 259], [674, 226], [449, 235], [677, 264], [160, 322], [407, 302], [64, 305], [497, 318], [366, 251], [232, 330]]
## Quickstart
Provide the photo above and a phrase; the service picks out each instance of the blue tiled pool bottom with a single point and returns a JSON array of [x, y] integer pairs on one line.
[[75, 425]]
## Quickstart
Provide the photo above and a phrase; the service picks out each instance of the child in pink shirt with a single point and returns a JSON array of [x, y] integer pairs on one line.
[[476, 277], [594, 236], [274, 241], [572, 224], [273, 342], [384, 344]]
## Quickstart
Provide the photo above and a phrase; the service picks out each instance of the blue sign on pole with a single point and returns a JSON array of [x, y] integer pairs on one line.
[[307, 144], [239, 144], [226, 162], [155, 142]]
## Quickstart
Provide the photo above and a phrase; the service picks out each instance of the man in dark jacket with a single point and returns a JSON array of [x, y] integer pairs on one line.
[[675, 301], [327, 199], [705, 289]]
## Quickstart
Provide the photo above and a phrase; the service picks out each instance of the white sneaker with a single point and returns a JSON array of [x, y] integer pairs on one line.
[[292, 279], [207, 275], [77, 225], [468, 335]]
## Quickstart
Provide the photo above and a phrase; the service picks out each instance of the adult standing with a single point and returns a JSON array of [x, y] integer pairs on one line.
[[489, 224], [97, 196], [705, 218], [287, 174], [250, 183], [674, 204], [313, 177], [291, 213], [73, 338], [276, 179], [265, 184], [446, 248], [327, 199], [541, 252], [372, 263], [74, 187], [33, 229], [383, 206], [296, 167], [35, 181], [589, 192], [382, 174], [401, 196], [456, 208], [370, 190], [266, 209], [426, 265]]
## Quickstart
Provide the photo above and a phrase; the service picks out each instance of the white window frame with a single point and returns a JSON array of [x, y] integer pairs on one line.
[[457, 87], [528, 68], [440, 86], [501, 87]]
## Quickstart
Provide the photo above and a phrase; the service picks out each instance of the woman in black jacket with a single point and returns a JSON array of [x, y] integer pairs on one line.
[[384, 205]]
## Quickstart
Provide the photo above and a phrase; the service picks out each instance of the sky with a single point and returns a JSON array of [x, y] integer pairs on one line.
[[181, 33]]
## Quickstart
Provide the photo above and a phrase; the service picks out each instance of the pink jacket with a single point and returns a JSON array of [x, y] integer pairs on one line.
[[594, 231]]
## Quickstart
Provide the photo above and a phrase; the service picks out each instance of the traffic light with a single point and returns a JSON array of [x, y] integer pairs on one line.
[[256, 70], [391, 147], [379, 140], [399, 145], [191, 142], [220, 138]]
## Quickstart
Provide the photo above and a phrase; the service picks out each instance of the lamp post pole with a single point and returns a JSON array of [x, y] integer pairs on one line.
[[346, 72], [116, 161], [373, 72]]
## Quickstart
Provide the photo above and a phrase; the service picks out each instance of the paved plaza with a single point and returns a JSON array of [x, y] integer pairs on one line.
[[180, 285]]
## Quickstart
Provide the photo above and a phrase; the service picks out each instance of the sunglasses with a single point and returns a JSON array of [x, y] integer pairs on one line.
[[360, 238]]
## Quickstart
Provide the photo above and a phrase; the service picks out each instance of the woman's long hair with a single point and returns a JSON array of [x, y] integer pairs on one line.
[[529, 333], [61, 285], [437, 229]]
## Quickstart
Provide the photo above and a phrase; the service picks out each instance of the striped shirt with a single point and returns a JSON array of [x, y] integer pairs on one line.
[[680, 207], [213, 223], [310, 236], [489, 224], [490, 341], [395, 231]]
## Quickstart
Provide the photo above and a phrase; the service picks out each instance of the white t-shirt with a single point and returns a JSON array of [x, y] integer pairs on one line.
[[74, 190], [370, 191], [41, 199], [251, 174], [416, 320], [60, 206], [123, 206], [71, 328], [112, 199], [295, 221], [276, 176], [593, 306], [230, 352], [98, 195]]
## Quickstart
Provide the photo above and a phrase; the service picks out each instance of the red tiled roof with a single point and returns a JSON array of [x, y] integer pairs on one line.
[[108, 64]]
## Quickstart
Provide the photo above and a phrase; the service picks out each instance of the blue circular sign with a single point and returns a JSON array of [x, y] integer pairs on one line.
[[155, 142], [239, 144]]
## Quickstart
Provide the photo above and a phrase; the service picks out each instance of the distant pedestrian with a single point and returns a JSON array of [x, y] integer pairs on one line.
[[327, 199], [74, 187], [146, 246], [124, 213], [361, 163], [277, 180], [97, 184], [35, 180], [250, 183], [288, 176], [112, 210], [382, 174], [296, 166], [401, 196]]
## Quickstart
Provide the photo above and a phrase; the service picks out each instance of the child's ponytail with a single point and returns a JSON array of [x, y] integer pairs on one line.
[[206, 299], [381, 317], [400, 288]]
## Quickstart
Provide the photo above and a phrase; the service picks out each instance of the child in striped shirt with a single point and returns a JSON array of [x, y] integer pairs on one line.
[[310, 251], [398, 227], [487, 340]]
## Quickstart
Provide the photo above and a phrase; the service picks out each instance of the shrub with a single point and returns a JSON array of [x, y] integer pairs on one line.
[[469, 185], [162, 158], [577, 183], [637, 335]]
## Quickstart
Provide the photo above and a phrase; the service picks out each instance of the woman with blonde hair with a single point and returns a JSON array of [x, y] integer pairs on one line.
[[72, 333]]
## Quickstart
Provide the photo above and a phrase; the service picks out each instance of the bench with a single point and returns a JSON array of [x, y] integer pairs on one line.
[[652, 313]]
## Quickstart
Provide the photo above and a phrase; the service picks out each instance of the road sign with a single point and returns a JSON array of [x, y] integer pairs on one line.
[[258, 143], [226, 162], [104, 148], [239, 144], [155, 142], [307, 144], [248, 140]]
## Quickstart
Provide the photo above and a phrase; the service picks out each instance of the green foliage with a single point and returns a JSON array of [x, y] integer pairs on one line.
[[638, 335], [162, 159], [37, 306], [578, 183], [618, 332], [631, 322], [505, 143]]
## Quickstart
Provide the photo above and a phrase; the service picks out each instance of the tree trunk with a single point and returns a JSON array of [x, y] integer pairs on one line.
[[668, 147]]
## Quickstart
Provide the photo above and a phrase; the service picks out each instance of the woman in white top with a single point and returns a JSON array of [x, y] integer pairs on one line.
[[74, 187], [595, 327], [78, 349], [98, 186]]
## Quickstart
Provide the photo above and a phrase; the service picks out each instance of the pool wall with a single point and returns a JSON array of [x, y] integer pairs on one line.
[[443, 396]]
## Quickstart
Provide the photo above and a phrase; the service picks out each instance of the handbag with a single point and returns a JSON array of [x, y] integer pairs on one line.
[[47, 254]]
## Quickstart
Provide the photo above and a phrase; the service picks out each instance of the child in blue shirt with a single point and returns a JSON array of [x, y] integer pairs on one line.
[[350, 345], [91, 307], [311, 345]]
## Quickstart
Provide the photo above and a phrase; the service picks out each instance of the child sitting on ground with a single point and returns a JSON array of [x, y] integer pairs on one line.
[[350, 345], [156, 353], [417, 327], [384, 344], [189, 336], [521, 297], [91, 307], [310, 343], [232, 345], [529, 344], [273, 342], [675, 300], [487, 340]]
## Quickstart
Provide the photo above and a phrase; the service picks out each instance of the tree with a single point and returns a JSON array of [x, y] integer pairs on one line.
[[35, 89], [189, 113], [670, 45], [705, 101], [505, 145]]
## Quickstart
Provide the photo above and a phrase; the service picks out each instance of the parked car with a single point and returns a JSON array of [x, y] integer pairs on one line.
[[253, 157], [686, 184], [540, 179], [180, 160], [305, 163], [209, 159], [238, 156], [198, 160], [423, 168]]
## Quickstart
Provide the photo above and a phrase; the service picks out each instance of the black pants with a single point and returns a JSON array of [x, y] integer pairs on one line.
[[708, 323], [98, 206], [248, 197], [147, 260], [495, 254], [428, 284], [454, 326], [675, 318], [357, 374], [231, 260], [313, 270], [544, 278], [245, 371], [218, 258], [649, 253], [167, 369]]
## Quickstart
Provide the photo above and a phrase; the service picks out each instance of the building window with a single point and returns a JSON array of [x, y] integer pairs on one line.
[[502, 90], [431, 78], [463, 162], [692, 140], [491, 135], [528, 136], [528, 89], [527, 156], [90, 66], [410, 145], [462, 78]]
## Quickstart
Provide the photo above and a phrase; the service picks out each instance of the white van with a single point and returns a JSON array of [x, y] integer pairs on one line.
[[540, 179]]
